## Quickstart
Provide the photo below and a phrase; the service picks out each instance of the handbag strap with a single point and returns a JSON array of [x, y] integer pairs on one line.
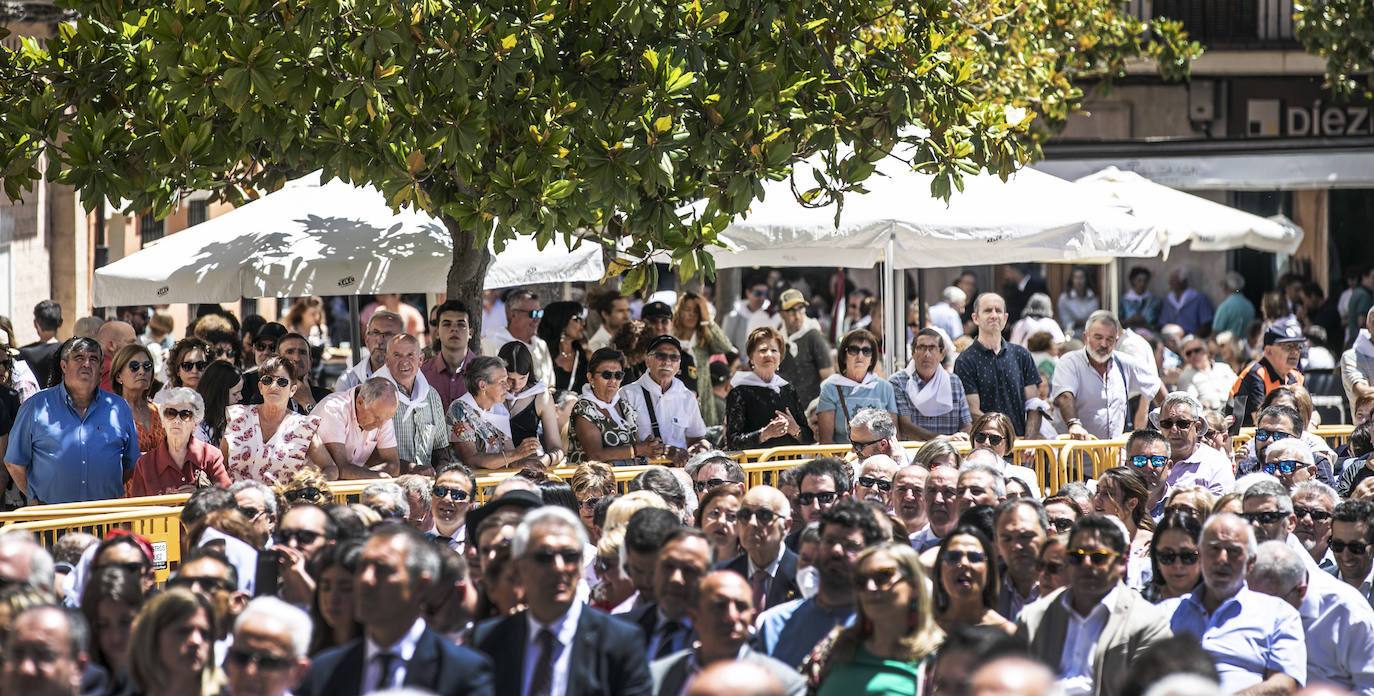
[[653, 417], [840, 391]]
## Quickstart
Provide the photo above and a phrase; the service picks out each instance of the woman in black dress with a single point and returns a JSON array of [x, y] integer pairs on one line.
[[762, 409], [532, 412], [562, 328]]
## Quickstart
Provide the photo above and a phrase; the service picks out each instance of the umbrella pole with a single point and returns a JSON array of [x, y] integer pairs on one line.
[[892, 305], [353, 328], [921, 298]]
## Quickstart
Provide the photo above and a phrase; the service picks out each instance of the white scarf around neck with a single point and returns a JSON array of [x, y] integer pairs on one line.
[[1363, 345], [607, 406], [411, 402], [936, 397], [839, 380], [747, 378], [498, 417]]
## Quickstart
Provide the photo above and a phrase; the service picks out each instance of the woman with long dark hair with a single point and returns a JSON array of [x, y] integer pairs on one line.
[[1174, 556], [965, 582], [532, 412], [220, 387], [1122, 492], [563, 328]]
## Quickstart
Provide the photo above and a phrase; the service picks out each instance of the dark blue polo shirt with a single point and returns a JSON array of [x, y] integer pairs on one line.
[[999, 379]]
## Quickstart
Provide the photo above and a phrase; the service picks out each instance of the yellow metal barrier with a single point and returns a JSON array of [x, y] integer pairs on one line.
[[162, 527], [1080, 460], [1335, 435], [795, 452]]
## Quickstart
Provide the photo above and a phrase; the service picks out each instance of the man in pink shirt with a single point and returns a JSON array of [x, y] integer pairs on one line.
[[444, 371], [357, 432]]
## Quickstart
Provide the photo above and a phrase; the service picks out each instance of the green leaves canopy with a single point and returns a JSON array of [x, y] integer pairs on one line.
[[1342, 31]]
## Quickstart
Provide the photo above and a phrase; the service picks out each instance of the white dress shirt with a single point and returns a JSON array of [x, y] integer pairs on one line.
[[564, 631], [1339, 624], [600, 339], [404, 649], [1080, 643], [677, 410]]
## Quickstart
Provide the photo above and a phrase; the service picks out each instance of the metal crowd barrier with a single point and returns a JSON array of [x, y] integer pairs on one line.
[[162, 527]]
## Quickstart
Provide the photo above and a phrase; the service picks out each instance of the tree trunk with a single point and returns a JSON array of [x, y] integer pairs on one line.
[[467, 275]]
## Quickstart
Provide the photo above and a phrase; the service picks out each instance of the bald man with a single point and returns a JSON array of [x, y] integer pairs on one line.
[[112, 336], [734, 679], [767, 563], [1012, 676]]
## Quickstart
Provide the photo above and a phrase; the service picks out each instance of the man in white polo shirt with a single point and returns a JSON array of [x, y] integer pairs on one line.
[[664, 406], [1092, 386]]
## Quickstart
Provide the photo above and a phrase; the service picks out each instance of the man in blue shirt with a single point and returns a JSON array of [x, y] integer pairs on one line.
[[1257, 640], [73, 442], [997, 375], [1186, 306]]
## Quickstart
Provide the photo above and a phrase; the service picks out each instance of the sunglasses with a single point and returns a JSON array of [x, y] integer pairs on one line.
[[534, 313], [860, 445], [249, 512], [457, 494], [545, 557], [132, 567], [825, 498], [1193, 351], [708, 484], [988, 439], [612, 375], [1099, 558], [175, 414], [267, 380], [858, 350], [1140, 461], [668, 357], [719, 514], [1262, 434], [194, 365], [1356, 547], [953, 557], [223, 353], [883, 485], [204, 582], [759, 293], [1267, 517], [310, 493], [1179, 424], [590, 502], [304, 536], [1317, 515], [136, 366], [263, 660], [1286, 466], [1168, 558], [764, 515]]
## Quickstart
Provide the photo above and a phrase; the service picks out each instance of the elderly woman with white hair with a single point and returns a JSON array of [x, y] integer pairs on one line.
[[182, 463], [1291, 461], [1038, 316]]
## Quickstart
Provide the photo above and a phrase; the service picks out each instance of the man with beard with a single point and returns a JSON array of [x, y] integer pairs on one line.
[[1021, 527], [1352, 540], [807, 361], [791, 630], [908, 497], [450, 500], [875, 480], [1313, 503], [1092, 386], [1256, 640], [941, 501]]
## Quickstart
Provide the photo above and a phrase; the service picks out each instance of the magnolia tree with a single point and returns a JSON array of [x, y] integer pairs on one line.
[[1342, 32], [601, 120]]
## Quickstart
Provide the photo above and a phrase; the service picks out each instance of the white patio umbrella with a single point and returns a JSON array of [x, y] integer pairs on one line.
[[1182, 217], [319, 239]]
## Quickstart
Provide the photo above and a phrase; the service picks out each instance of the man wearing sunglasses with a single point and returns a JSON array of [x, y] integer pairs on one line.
[[450, 500], [1282, 424], [269, 656], [871, 432], [1091, 631], [265, 346], [1256, 640], [769, 566], [1313, 503], [749, 313], [1352, 542], [999, 376], [1268, 508], [575, 649], [304, 532], [1191, 462], [663, 405], [821, 482], [1092, 386], [875, 480], [1283, 348], [714, 468], [523, 314], [379, 330]]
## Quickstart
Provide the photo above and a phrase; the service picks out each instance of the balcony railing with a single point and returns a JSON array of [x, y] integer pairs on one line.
[[1227, 24]]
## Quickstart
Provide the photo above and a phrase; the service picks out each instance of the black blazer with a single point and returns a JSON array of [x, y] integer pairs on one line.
[[607, 657], [784, 586], [646, 617], [438, 666]]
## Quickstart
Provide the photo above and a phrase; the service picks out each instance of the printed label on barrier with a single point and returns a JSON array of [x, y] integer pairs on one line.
[[159, 555]]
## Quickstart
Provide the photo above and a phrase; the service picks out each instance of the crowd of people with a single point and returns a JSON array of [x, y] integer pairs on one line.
[[1195, 566]]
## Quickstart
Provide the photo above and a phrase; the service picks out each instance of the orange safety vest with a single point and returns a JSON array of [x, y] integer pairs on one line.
[[1270, 383]]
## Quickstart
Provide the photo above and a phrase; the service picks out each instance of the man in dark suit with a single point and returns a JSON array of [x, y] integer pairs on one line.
[[559, 646], [685, 556], [396, 570], [644, 534], [768, 565]]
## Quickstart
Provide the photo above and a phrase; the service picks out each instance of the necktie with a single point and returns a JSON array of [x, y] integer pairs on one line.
[[760, 586], [541, 684], [384, 675], [667, 639]]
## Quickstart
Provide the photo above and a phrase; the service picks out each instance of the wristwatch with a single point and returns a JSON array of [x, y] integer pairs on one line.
[[1074, 421]]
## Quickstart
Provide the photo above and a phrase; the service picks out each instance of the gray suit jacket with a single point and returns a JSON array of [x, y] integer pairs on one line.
[[671, 673], [1133, 626]]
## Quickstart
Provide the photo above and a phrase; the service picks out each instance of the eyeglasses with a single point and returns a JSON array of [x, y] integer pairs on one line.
[[988, 439], [1140, 461], [204, 582], [1099, 557], [285, 536], [194, 365], [952, 557], [1061, 524], [858, 350], [1167, 558], [883, 485], [860, 445], [1356, 547], [590, 502], [759, 293], [310, 493], [925, 348], [879, 581], [668, 357], [1286, 466], [603, 564], [1317, 515], [545, 557], [534, 313], [267, 380], [825, 498], [223, 353], [136, 366], [1193, 351], [1263, 434], [1053, 567], [265, 346], [132, 567], [175, 414], [1266, 517], [1179, 424], [708, 484], [249, 512], [764, 515], [263, 660], [457, 494], [613, 376]]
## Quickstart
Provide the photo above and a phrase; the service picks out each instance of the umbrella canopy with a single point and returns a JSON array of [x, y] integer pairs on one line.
[[1182, 217], [1030, 217], [320, 239]]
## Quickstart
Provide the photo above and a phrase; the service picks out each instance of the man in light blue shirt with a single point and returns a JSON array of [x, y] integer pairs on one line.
[[1256, 640], [73, 442], [1235, 313]]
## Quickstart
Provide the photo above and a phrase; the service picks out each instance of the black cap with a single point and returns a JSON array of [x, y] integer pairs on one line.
[[271, 331], [657, 341], [1283, 333], [656, 310], [519, 498]]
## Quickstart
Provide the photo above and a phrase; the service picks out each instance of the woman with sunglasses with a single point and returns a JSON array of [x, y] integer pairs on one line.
[[1208, 380], [564, 329], [852, 387], [131, 376], [702, 337], [181, 464], [480, 424], [717, 516], [307, 486], [269, 442], [603, 424], [220, 387], [994, 431], [1122, 492], [591, 482], [965, 579], [1174, 556], [762, 408], [187, 362], [890, 646]]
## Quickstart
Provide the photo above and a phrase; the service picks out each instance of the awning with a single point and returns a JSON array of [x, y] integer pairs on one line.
[[1268, 171]]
